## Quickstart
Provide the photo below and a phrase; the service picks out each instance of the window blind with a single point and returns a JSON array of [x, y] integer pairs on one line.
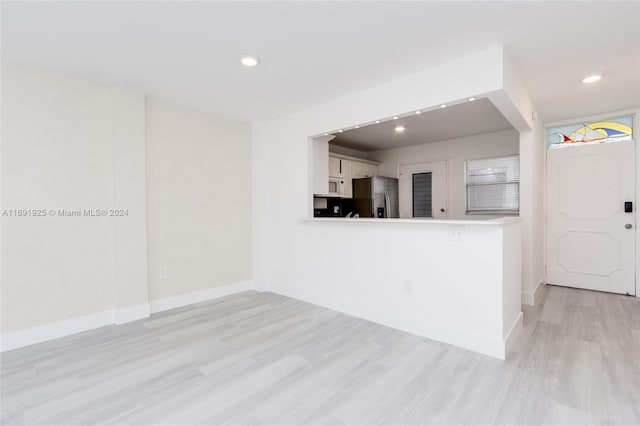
[[422, 195], [493, 185]]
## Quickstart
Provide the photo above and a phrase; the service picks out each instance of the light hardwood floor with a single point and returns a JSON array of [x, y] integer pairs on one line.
[[261, 358]]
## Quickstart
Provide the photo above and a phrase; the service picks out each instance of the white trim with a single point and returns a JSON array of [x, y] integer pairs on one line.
[[636, 119], [498, 221], [635, 112], [513, 334], [347, 157], [530, 297], [447, 171], [55, 330], [596, 117], [43, 333], [427, 160], [132, 313], [199, 296], [494, 347]]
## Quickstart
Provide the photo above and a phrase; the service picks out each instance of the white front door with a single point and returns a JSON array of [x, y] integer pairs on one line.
[[590, 238], [422, 189]]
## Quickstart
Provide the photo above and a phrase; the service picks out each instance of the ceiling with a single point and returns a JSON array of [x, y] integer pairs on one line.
[[313, 52], [452, 122]]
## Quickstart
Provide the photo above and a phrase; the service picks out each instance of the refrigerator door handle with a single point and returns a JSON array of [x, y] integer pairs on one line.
[[387, 204]]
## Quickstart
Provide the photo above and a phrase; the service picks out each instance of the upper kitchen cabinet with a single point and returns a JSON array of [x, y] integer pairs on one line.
[[335, 166], [349, 168], [346, 166], [362, 170], [320, 150]]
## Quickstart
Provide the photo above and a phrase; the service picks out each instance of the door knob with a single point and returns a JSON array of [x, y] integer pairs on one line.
[[442, 210], [628, 226]]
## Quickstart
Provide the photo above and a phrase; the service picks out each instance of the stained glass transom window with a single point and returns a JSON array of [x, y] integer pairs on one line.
[[594, 132]]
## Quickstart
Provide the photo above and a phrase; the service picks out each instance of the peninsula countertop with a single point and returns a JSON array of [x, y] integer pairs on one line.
[[478, 222]]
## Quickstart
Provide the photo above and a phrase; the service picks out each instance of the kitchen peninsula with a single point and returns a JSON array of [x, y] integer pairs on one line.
[[455, 281]]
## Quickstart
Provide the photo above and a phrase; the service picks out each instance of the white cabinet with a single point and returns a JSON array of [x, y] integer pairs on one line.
[[320, 148], [334, 167], [346, 172], [361, 170], [350, 168]]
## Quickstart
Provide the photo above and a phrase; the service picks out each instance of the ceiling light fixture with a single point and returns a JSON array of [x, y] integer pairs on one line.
[[249, 61], [400, 129], [340, 131], [357, 126], [443, 106], [326, 134], [395, 117], [591, 79], [418, 112], [471, 99], [377, 121]]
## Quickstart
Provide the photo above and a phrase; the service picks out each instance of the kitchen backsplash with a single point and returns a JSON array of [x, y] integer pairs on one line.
[[332, 206]]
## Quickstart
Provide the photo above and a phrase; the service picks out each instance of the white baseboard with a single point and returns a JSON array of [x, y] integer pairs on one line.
[[529, 298], [199, 296], [132, 313], [43, 333], [513, 334], [494, 347]]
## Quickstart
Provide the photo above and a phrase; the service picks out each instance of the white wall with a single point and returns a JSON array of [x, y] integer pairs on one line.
[[69, 144], [281, 150], [532, 147], [456, 152], [463, 306], [511, 281], [517, 106], [286, 258], [130, 194], [57, 153], [199, 195], [335, 149]]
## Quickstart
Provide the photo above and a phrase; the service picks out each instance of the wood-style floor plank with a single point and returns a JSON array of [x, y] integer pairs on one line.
[[264, 359]]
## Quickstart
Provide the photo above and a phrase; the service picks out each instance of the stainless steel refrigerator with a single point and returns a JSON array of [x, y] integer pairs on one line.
[[376, 196]]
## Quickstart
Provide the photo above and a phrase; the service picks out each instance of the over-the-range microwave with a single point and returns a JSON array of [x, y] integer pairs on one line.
[[336, 186]]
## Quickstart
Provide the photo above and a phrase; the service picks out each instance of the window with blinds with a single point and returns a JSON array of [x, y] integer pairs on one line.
[[493, 185], [421, 183]]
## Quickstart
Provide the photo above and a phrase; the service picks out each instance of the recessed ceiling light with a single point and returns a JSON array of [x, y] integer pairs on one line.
[[471, 99], [418, 112], [326, 134], [400, 129], [443, 106], [377, 121], [395, 117], [249, 61], [591, 79], [340, 131], [357, 126]]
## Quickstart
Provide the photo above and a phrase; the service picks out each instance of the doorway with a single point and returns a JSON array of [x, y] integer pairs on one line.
[[422, 190], [591, 228]]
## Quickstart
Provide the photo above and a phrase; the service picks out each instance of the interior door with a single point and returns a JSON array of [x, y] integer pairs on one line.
[[422, 189], [590, 238]]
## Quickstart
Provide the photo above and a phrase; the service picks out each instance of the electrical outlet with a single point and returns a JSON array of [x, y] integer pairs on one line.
[[456, 233], [164, 272], [407, 288]]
